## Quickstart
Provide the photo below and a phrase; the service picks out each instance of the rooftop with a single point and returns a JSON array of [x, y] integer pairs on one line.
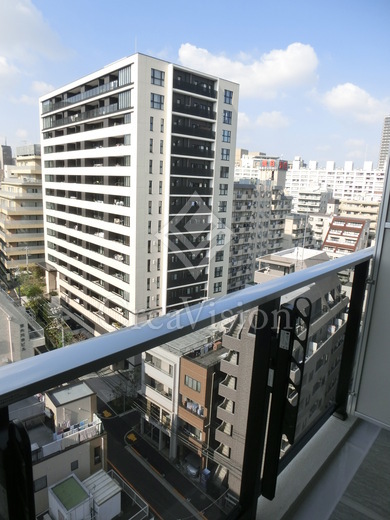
[[70, 393], [70, 492]]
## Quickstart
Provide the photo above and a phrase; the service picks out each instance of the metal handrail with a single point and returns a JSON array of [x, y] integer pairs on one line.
[[37, 374]]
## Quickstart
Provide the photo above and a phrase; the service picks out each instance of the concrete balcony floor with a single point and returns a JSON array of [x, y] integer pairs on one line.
[[343, 473]]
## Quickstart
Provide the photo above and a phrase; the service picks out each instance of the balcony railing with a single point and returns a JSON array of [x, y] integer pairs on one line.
[[38, 374]]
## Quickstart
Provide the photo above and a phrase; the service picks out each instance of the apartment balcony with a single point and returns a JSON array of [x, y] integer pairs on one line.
[[190, 417], [278, 480], [193, 151], [194, 111], [192, 170], [196, 88], [192, 130]]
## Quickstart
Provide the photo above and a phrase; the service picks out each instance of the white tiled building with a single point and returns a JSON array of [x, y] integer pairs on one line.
[[138, 163], [347, 183]]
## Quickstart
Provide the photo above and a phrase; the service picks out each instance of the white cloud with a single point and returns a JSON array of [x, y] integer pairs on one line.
[[273, 120], [41, 87], [24, 33], [243, 120], [275, 72], [9, 74], [38, 88], [354, 143], [350, 100], [21, 133]]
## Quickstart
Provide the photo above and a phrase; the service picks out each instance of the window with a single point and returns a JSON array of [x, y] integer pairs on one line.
[[151, 124], [218, 287], [161, 167], [224, 172], [161, 146], [221, 223], [225, 154], [160, 207], [162, 125], [222, 206], [150, 207], [158, 77], [228, 97], [150, 187], [151, 145], [158, 264], [192, 383], [149, 227], [223, 189], [40, 483], [218, 272], [220, 240], [159, 226], [97, 455], [227, 116], [156, 101], [148, 266], [149, 246], [219, 256], [226, 136], [148, 284], [160, 187], [158, 282], [74, 465], [150, 166]]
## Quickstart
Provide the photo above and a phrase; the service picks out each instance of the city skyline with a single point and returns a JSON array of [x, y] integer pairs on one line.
[[308, 74]]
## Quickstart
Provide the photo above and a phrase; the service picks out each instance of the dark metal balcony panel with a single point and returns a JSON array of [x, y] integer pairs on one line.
[[191, 277], [186, 227], [204, 90], [184, 170], [183, 260], [193, 131], [32, 375], [185, 243], [191, 151], [188, 190], [194, 111]]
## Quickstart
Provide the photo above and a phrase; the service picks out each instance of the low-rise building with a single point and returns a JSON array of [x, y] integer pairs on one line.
[[66, 436], [367, 209], [346, 235]]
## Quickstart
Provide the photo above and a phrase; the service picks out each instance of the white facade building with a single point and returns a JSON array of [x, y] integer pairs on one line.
[[21, 212], [138, 163], [313, 200], [345, 183]]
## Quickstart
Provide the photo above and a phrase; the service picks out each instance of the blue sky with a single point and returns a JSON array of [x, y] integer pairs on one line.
[[314, 75]]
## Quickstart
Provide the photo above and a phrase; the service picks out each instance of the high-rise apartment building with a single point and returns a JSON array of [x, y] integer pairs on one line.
[[385, 143], [138, 163], [21, 212]]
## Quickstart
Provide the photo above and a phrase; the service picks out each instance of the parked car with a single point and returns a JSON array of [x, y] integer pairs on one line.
[[192, 465]]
